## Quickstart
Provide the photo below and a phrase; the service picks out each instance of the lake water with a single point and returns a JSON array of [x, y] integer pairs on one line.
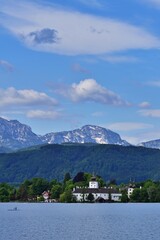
[[79, 221]]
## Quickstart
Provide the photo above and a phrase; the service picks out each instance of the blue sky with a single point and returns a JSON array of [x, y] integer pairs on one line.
[[68, 63]]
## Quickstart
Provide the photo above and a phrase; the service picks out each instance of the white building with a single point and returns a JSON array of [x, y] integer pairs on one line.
[[130, 189], [93, 183], [100, 194]]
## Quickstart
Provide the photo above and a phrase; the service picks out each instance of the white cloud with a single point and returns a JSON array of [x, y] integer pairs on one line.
[[12, 97], [40, 114], [70, 32], [150, 135], [78, 68], [134, 140], [97, 114], [142, 137], [135, 132], [150, 113], [92, 3], [6, 65], [119, 59], [129, 126], [144, 105], [155, 3], [90, 90], [154, 83]]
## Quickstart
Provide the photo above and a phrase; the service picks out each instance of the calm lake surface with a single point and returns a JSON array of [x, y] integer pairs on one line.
[[79, 221]]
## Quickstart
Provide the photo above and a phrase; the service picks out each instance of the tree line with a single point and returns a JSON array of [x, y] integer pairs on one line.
[[32, 190]]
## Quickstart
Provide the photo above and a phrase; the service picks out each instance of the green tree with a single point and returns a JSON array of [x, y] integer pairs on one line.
[[22, 193], [66, 196], [87, 178], [112, 182], [144, 195], [124, 197], [7, 192], [148, 184], [90, 197], [135, 196], [152, 193], [53, 183], [79, 177], [38, 186], [67, 177], [40, 199], [13, 194], [4, 195], [139, 195], [158, 194], [56, 191]]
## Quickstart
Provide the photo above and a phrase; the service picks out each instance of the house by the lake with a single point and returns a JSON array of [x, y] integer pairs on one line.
[[46, 195], [100, 194]]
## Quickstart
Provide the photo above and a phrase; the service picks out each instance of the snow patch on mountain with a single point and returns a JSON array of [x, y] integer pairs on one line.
[[86, 134], [151, 144], [15, 135]]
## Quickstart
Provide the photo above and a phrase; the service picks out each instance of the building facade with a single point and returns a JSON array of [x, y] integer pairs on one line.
[[99, 194]]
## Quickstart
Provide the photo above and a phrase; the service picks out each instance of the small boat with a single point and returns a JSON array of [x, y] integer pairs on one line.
[[13, 209]]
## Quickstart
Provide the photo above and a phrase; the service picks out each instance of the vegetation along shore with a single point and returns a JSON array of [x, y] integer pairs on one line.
[[83, 187]]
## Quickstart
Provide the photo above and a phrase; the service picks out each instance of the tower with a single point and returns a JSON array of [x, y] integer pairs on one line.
[[93, 183]]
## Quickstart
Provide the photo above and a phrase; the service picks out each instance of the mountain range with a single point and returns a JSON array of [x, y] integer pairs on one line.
[[15, 135], [90, 149], [151, 144]]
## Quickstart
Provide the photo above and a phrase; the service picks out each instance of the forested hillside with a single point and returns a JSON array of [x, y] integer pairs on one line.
[[108, 161]]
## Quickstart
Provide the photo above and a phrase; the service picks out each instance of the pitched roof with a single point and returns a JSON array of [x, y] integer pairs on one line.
[[94, 190]]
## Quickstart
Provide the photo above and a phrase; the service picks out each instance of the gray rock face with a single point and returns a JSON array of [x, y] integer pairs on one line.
[[15, 135]]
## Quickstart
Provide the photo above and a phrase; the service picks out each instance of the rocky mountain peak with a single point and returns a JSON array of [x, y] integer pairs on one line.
[[16, 135], [86, 134]]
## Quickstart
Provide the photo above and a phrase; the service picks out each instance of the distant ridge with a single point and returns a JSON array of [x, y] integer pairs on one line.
[[15, 135], [151, 144], [86, 134]]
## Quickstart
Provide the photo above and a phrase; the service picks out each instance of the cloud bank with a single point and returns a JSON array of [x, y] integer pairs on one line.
[[41, 114], [6, 65], [89, 90], [129, 126], [154, 83], [92, 3], [155, 113], [28, 102], [69, 32], [12, 97], [155, 3], [144, 105], [44, 36], [119, 59]]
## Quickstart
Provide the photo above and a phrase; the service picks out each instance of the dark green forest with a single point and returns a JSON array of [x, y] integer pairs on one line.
[[108, 161]]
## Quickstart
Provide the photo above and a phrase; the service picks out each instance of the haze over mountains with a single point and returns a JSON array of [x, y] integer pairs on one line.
[[15, 135]]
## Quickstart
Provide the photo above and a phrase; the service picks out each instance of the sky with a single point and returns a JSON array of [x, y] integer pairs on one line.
[[68, 63]]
